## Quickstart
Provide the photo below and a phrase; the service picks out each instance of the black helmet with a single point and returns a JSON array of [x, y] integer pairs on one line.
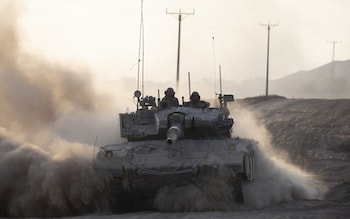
[[195, 96], [169, 91]]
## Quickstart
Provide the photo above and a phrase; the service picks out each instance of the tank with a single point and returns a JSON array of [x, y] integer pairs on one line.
[[174, 146]]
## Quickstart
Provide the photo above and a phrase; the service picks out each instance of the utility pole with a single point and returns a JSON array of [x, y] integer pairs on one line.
[[333, 42], [269, 27], [180, 19]]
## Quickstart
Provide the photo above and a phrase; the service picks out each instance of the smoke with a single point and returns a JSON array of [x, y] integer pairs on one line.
[[42, 173], [275, 181]]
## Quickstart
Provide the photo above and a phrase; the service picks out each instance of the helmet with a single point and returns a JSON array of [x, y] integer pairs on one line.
[[195, 96], [170, 91]]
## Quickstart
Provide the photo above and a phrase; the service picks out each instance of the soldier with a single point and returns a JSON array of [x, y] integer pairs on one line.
[[196, 101], [169, 100]]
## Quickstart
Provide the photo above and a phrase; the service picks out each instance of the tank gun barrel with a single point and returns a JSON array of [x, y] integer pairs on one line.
[[173, 133]]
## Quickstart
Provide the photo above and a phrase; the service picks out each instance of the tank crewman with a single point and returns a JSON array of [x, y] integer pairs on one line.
[[196, 101], [169, 100]]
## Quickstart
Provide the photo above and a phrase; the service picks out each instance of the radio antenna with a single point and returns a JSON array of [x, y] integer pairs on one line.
[[189, 84], [93, 155], [141, 55], [214, 63], [220, 79]]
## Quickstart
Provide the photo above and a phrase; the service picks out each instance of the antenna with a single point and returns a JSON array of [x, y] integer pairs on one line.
[[93, 155], [189, 84], [141, 53], [220, 79], [268, 25], [214, 63], [333, 42], [180, 19]]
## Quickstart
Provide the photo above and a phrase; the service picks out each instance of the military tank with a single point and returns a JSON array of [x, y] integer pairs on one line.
[[174, 146]]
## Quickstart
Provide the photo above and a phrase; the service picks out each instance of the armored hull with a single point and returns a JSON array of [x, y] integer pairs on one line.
[[173, 147]]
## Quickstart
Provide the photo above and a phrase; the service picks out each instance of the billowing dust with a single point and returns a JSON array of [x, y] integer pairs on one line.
[[36, 182], [43, 174], [275, 181]]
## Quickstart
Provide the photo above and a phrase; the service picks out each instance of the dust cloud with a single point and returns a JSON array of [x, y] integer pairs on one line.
[[36, 182], [276, 180], [42, 173], [35, 91]]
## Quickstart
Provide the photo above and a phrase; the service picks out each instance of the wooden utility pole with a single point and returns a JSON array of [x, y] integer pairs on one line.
[[180, 19], [268, 49]]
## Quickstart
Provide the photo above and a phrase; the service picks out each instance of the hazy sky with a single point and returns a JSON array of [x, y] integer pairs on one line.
[[103, 36]]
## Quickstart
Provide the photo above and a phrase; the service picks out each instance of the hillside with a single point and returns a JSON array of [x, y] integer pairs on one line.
[[330, 81]]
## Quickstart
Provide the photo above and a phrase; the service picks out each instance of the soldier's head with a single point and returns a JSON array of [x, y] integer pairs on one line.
[[195, 96], [169, 92]]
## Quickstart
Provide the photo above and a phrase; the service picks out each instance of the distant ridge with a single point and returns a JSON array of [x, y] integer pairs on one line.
[[330, 81]]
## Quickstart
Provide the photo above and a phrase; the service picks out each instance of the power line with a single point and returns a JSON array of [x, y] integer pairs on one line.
[[269, 26]]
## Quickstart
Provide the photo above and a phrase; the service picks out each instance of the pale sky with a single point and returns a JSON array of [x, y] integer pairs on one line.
[[103, 36]]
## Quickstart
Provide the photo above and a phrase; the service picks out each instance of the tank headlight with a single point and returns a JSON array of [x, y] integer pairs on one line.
[[108, 154]]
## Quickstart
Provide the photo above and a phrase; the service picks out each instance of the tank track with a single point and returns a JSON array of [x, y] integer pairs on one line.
[[121, 200], [237, 188]]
